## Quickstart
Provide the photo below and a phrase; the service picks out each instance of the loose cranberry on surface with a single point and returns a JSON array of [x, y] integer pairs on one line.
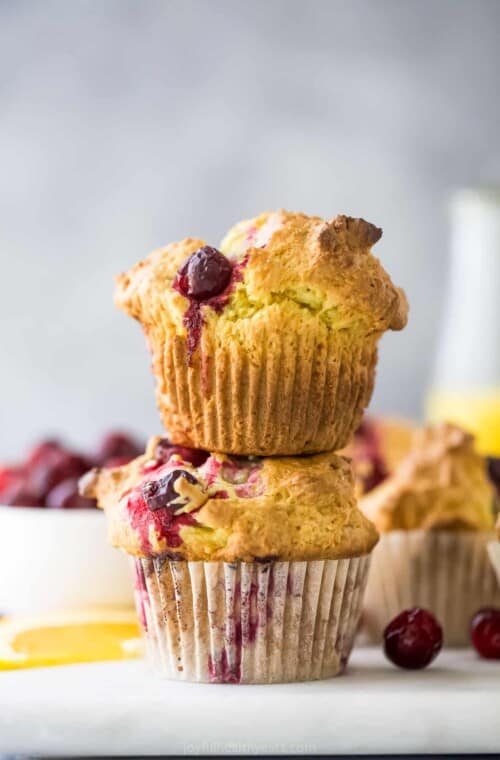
[[65, 496], [160, 494], [485, 633], [117, 444], [165, 449], [413, 639], [205, 274]]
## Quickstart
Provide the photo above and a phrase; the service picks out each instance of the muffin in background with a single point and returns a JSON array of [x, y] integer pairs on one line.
[[269, 345], [435, 515], [247, 570], [377, 447], [494, 551]]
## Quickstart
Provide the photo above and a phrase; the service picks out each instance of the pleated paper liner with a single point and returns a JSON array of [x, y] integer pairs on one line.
[[250, 622], [446, 572], [298, 393], [494, 552]]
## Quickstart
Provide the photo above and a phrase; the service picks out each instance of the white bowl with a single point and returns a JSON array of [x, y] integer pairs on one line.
[[58, 560]]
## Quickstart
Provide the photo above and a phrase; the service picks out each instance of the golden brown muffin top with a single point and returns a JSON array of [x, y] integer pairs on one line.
[[232, 509], [442, 483], [289, 259]]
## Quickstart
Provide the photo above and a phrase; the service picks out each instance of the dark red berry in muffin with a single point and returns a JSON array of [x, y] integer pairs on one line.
[[117, 444], [165, 449], [161, 493], [413, 639], [485, 633], [205, 274], [66, 496]]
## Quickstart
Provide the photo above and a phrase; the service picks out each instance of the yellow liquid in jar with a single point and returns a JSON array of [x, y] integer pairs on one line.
[[476, 411]]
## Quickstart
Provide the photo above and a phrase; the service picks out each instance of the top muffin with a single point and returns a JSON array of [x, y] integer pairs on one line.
[[268, 345]]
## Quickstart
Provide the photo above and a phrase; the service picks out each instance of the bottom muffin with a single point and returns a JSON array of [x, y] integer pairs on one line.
[[249, 622], [247, 570]]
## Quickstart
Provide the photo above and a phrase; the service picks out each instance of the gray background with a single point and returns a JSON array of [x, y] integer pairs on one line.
[[125, 125]]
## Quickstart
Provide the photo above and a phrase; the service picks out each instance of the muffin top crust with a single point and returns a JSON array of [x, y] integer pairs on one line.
[[303, 266], [188, 505], [441, 483]]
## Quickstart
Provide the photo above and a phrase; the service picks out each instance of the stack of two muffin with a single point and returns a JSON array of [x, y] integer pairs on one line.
[[251, 562]]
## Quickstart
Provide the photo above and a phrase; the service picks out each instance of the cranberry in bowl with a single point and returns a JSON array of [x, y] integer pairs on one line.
[[53, 549]]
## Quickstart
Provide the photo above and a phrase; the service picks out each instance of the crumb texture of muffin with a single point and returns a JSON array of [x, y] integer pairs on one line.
[[442, 483], [232, 509], [267, 346]]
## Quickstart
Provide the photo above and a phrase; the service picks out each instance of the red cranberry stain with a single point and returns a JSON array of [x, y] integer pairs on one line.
[[215, 294], [220, 671], [165, 524], [141, 594]]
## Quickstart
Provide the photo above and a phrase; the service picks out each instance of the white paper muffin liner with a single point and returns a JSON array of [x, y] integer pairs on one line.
[[249, 622], [494, 552], [446, 572]]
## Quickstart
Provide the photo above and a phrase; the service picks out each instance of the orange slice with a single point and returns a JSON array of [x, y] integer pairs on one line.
[[69, 637]]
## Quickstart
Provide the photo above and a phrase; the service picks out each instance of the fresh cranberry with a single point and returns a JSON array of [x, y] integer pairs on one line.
[[369, 463], [117, 462], [413, 639], [117, 444], [494, 471], [376, 475], [205, 274], [19, 494], [9, 476], [58, 465], [65, 496], [485, 633], [15, 490], [43, 451], [165, 449], [160, 494]]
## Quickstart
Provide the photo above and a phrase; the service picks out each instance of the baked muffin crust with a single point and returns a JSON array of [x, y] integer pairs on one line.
[[237, 509], [441, 483]]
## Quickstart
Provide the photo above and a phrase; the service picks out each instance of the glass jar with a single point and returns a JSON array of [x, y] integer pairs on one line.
[[466, 383]]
